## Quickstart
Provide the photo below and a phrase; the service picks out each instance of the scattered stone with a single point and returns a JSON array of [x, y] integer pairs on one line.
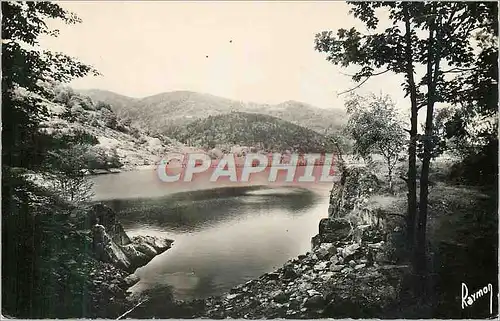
[[280, 297], [289, 273], [314, 302], [325, 250], [378, 245], [320, 266], [334, 259], [312, 292], [347, 270], [336, 268], [304, 286], [359, 266], [232, 296], [350, 250]]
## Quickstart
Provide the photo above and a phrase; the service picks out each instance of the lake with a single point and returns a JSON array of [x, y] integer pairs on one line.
[[223, 236]]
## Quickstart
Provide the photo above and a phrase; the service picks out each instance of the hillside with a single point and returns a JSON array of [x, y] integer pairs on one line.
[[263, 132], [116, 101], [159, 113], [116, 142]]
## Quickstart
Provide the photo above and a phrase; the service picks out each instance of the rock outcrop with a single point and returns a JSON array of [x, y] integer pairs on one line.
[[356, 185], [112, 245], [354, 213]]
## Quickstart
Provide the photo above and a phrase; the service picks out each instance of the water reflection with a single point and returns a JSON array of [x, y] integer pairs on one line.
[[196, 210]]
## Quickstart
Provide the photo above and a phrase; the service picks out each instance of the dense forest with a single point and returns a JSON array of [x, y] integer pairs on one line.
[[255, 130]]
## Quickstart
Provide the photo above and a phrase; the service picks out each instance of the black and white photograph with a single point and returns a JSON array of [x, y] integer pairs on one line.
[[249, 160]]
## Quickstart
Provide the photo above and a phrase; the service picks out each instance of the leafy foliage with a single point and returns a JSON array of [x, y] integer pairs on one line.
[[99, 158], [34, 219], [376, 128], [68, 175], [26, 67]]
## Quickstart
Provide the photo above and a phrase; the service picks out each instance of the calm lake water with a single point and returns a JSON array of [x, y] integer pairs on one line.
[[223, 236]]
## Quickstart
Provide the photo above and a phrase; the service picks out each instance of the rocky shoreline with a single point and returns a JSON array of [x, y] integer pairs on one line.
[[351, 271], [117, 256]]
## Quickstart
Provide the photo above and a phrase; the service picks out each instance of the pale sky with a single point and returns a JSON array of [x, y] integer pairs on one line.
[[145, 48]]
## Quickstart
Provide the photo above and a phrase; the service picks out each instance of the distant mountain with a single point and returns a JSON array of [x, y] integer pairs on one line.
[[318, 119], [116, 101], [253, 130], [160, 113]]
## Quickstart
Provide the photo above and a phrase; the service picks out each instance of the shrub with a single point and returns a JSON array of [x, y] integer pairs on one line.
[[102, 105], [81, 101], [101, 158], [67, 177], [109, 119], [63, 95], [83, 137]]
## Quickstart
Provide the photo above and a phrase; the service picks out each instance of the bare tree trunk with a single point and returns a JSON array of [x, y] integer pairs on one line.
[[389, 167], [412, 148], [432, 74]]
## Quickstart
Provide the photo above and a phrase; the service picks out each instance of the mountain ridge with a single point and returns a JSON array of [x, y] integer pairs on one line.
[[90, 92], [162, 111]]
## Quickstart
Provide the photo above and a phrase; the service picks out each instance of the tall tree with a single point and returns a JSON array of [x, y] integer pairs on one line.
[[26, 66], [26, 69], [433, 35], [392, 50]]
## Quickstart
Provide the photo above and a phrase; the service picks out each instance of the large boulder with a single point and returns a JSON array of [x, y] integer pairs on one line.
[[112, 245], [107, 250], [333, 231], [143, 249], [137, 253]]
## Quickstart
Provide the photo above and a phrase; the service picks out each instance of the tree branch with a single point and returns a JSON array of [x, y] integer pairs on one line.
[[365, 80], [354, 88], [457, 69]]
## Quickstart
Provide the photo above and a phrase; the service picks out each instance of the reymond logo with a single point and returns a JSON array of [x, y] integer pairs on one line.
[[274, 168], [468, 300]]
